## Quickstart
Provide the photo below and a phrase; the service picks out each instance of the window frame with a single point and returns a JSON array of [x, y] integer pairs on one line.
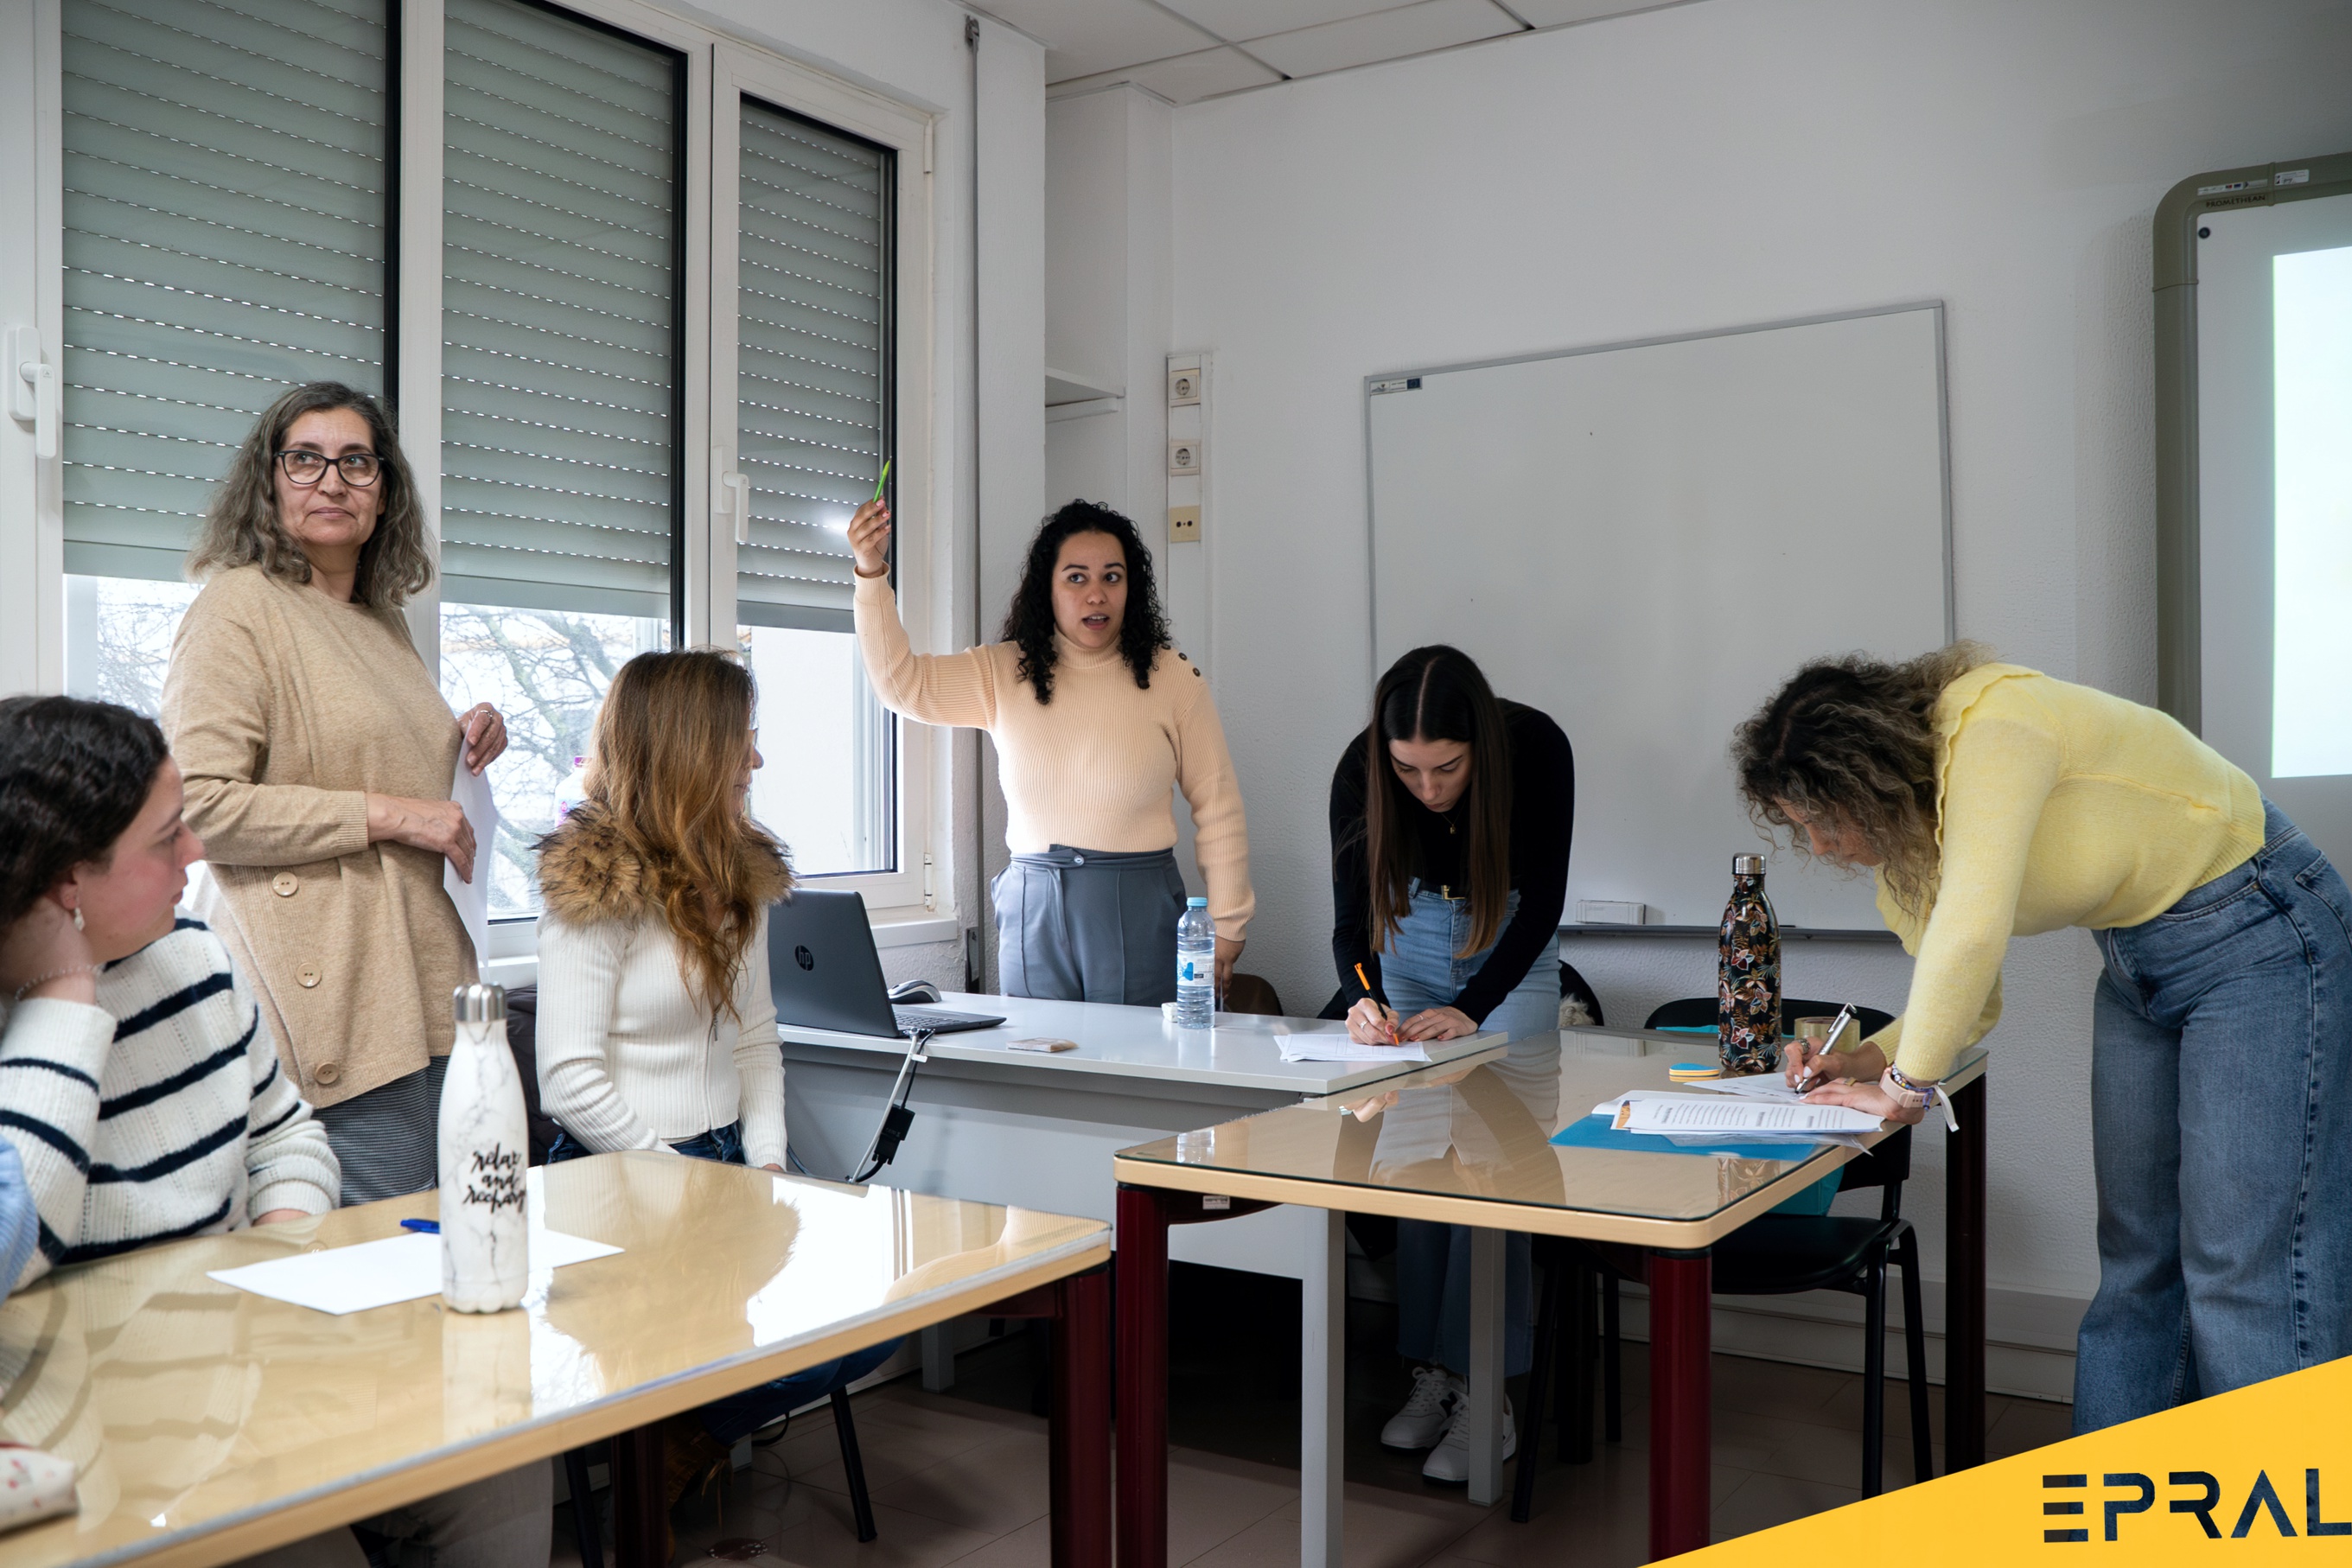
[[740, 73], [716, 64]]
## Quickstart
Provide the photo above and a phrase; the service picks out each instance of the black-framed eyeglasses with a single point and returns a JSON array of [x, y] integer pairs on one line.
[[359, 470]]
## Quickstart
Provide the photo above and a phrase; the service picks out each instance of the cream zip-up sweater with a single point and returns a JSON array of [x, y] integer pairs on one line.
[[1096, 767], [629, 1059]]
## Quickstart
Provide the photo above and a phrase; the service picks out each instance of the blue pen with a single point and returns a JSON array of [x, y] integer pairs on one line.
[[421, 1226]]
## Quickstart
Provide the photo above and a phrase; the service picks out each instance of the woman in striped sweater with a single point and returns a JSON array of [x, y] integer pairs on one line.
[[137, 1085]]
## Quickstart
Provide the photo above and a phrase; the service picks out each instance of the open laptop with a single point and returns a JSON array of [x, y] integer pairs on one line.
[[825, 972]]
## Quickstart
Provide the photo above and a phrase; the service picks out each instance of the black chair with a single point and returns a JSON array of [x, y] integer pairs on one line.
[[523, 1037], [1777, 1254]]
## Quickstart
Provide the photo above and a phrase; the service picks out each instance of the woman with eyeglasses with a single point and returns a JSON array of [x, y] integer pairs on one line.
[[319, 754]]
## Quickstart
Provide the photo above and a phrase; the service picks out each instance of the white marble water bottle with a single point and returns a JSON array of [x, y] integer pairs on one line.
[[484, 1153]]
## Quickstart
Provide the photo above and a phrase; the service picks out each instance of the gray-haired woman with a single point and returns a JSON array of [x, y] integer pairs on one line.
[[319, 756]]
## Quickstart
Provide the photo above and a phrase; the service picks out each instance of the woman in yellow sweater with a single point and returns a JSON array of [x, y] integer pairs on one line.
[[1097, 720], [1992, 801]]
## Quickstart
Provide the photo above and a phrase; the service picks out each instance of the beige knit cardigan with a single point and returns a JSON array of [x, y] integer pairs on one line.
[[284, 709]]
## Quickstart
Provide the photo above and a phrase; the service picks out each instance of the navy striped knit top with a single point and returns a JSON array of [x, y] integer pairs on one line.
[[161, 1112]]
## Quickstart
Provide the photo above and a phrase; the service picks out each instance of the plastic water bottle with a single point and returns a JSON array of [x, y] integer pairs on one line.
[[485, 1146], [1196, 967], [574, 791]]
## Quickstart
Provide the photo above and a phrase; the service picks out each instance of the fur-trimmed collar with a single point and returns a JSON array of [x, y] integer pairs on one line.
[[587, 875]]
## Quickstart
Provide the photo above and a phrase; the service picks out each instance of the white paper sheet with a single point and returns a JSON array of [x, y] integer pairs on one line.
[[1769, 1086], [1692, 1113], [380, 1273], [471, 791], [1340, 1049]]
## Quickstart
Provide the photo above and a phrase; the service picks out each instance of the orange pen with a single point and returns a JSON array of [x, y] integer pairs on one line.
[[1366, 985]]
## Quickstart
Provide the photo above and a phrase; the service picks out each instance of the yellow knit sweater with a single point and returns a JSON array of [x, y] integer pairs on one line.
[[1096, 767], [2057, 806]]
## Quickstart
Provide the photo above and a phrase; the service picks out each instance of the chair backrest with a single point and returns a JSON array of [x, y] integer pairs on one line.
[[1699, 1013], [522, 1036], [1252, 994]]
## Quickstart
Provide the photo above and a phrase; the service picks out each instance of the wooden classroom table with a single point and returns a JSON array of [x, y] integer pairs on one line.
[[1468, 1144], [210, 1423]]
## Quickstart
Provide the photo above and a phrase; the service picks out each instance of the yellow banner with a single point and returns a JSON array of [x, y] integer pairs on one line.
[[2261, 1475]]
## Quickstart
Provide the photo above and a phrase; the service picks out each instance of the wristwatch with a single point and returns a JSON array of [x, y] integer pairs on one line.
[[1918, 1097]]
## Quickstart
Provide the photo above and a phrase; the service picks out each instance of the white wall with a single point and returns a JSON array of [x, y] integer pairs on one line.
[[1708, 166]]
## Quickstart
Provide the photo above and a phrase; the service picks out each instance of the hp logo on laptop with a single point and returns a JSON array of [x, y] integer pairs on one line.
[[804, 957]]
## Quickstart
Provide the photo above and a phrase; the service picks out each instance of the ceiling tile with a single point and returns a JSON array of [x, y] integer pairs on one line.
[[1386, 36], [1185, 78], [1086, 37], [1239, 20], [1555, 13]]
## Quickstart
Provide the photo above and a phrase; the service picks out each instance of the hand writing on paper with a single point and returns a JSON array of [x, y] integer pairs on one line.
[[869, 539], [1369, 1023], [1802, 1065], [1866, 1097]]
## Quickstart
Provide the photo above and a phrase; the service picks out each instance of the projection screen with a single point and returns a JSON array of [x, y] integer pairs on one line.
[[2255, 388]]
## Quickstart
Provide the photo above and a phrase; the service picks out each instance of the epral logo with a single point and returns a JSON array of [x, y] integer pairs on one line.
[[2200, 1494]]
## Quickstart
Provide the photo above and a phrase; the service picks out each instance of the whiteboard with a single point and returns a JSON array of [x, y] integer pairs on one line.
[[1644, 539]]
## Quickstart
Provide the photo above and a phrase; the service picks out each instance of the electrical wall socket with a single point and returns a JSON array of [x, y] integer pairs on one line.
[[1187, 454], [1183, 387], [1184, 525]]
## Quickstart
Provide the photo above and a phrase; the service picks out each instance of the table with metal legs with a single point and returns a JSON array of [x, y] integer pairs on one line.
[[1499, 1175]]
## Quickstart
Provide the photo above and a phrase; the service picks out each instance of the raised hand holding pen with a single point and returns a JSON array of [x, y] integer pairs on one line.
[[869, 538]]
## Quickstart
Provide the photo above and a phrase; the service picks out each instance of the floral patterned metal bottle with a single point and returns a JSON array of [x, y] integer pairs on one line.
[[1748, 977]]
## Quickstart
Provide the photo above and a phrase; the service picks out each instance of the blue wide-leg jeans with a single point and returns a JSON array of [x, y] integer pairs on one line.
[[2222, 1128], [1420, 971]]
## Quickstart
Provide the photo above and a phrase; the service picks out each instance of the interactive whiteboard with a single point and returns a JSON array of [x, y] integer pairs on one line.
[[1645, 539]]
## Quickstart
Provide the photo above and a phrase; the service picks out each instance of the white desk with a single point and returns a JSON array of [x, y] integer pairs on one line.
[[994, 1125]]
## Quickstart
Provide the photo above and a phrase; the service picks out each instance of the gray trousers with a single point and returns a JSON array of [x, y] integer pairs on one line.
[[1074, 925]]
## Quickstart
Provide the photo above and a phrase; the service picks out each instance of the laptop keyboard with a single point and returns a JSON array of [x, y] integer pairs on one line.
[[931, 1018]]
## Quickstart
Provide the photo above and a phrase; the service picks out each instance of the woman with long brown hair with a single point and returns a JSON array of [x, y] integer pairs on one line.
[[656, 1028], [1451, 818], [1992, 801], [319, 753], [655, 1024]]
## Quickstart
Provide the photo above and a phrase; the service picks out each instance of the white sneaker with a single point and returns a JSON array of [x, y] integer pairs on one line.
[[1450, 1460], [1435, 1393]]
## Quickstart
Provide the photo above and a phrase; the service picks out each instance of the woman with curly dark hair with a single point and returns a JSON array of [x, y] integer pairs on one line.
[[1097, 719], [1993, 801]]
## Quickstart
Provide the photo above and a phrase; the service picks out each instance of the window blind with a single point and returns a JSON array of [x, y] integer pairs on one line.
[[225, 239], [559, 308], [812, 376]]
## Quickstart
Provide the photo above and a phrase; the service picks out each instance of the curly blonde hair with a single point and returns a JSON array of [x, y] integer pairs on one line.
[[242, 526], [1850, 743]]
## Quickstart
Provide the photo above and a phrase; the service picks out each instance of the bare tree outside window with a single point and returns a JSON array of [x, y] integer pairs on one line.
[[547, 670]]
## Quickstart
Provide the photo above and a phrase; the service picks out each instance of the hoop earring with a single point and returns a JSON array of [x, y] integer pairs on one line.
[[78, 920]]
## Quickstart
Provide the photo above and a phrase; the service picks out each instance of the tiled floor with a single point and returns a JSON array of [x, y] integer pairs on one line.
[[960, 1479]]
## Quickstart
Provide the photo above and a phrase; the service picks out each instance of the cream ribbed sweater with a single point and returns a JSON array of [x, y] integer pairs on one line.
[[1093, 769], [629, 1059]]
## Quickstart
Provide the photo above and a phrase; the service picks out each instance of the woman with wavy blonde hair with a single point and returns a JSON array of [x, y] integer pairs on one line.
[[656, 1028], [1993, 801], [319, 754], [655, 1025]]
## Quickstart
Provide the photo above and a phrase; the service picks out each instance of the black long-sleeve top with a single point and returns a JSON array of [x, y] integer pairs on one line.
[[1543, 818]]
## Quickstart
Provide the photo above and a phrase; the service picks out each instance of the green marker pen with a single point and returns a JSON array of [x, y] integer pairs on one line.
[[883, 480]]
